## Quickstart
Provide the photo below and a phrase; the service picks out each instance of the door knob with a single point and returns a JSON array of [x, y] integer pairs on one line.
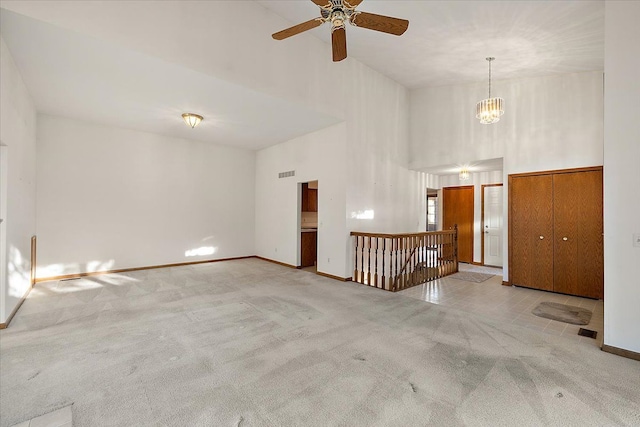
[[565, 239], [541, 237]]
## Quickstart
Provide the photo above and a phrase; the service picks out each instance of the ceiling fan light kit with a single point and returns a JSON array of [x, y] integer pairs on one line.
[[489, 110], [338, 13]]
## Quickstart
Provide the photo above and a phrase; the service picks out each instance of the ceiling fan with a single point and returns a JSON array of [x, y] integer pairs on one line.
[[338, 12]]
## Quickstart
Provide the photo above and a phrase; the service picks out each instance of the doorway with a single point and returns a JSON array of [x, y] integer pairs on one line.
[[309, 226], [457, 208], [492, 225], [432, 209]]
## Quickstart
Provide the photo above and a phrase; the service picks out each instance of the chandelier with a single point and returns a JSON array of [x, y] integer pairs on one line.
[[489, 110], [464, 174]]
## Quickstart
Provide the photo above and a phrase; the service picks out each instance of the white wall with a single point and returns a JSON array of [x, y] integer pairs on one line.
[[318, 156], [622, 175], [361, 166], [553, 122], [18, 133], [550, 122], [374, 107], [111, 198], [378, 178]]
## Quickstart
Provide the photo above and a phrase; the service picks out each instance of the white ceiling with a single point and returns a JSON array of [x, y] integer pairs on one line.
[[97, 61], [72, 75], [447, 41]]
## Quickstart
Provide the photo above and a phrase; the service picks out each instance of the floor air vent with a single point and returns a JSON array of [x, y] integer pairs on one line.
[[587, 333]]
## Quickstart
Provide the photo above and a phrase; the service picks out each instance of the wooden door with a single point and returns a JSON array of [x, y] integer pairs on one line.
[[578, 242], [313, 199], [531, 231], [457, 208], [492, 202], [308, 248]]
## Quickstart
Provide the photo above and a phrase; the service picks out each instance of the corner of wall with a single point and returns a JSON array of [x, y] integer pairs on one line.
[[18, 134]]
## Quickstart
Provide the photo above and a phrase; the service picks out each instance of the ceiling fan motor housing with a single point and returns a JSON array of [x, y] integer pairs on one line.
[[337, 18], [338, 13]]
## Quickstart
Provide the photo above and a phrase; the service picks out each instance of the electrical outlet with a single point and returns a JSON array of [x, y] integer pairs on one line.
[[328, 260], [636, 240]]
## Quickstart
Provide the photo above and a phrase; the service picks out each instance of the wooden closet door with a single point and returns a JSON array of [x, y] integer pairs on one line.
[[578, 243], [531, 220], [457, 208]]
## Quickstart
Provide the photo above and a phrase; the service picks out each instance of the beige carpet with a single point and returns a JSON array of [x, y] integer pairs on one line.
[[250, 343]]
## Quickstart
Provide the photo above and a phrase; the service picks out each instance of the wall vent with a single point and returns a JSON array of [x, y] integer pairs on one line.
[[286, 174]]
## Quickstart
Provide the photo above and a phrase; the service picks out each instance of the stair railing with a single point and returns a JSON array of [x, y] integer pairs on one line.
[[394, 262]]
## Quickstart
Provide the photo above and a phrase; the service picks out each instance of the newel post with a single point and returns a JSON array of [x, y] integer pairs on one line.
[[455, 246]]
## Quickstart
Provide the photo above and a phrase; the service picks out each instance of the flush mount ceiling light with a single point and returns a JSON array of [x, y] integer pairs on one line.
[[489, 110], [192, 120], [464, 174]]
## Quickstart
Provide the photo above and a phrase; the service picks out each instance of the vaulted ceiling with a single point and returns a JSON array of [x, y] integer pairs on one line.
[[140, 64], [447, 41]]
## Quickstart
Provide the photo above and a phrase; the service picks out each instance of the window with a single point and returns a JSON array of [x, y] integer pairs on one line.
[[432, 213]]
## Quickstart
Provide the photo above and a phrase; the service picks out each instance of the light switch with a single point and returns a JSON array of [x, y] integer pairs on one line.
[[636, 240]]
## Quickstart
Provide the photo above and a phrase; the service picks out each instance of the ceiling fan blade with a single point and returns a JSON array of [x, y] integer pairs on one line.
[[386, 24], [339, 44], [297, 29]]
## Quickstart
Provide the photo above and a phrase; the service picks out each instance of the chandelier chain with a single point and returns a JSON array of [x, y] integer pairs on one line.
[[490, 78], [489, 110]]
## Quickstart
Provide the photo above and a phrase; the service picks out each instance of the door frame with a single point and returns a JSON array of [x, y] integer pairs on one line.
[[300, 189], [482, 219], [438, 206]]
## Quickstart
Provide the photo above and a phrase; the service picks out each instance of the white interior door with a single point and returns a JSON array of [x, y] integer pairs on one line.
[[493, 226]]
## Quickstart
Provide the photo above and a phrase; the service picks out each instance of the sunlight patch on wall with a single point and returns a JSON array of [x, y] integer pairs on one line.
[[99, 265], [368, 214], [18, 273], [62, 269], [202, 251]]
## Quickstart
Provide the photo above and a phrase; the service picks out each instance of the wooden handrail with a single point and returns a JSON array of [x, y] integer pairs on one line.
[[398, 261], [392, 236]]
